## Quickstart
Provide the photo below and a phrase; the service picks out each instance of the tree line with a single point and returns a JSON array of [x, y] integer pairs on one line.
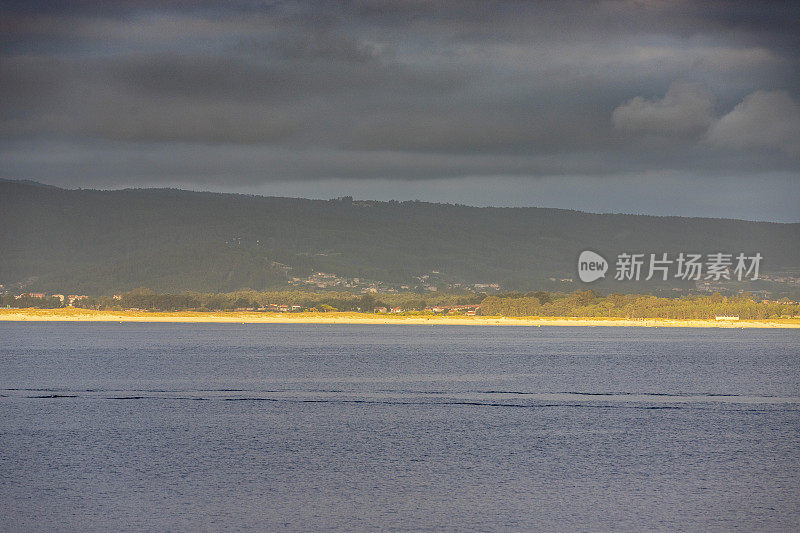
[[586, 303], [590, 304], [9, 300], [314, 301]]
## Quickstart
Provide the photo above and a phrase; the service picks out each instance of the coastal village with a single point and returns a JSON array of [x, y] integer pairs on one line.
[[68, 300], [73, 300], [430, 282], [466, 310]]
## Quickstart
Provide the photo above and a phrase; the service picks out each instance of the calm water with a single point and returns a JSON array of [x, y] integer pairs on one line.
[[300, 427]]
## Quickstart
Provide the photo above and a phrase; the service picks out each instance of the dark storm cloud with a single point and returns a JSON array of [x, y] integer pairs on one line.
[[250, 93]]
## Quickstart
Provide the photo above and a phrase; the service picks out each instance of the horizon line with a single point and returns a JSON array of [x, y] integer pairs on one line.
[[32, 182]]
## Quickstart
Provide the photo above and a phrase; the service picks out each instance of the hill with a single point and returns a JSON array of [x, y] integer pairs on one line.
[[99, 242]]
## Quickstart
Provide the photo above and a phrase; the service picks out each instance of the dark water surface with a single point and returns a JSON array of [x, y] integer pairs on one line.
[[364, 427]]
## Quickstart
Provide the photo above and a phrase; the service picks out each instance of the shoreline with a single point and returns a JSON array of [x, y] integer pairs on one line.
[[244, 317]]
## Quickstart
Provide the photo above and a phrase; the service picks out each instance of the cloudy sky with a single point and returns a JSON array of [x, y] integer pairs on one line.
[[687, 108]]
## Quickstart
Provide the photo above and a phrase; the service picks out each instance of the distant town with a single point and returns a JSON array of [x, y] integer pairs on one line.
[[432, 287], [430, 282], [582, 303]]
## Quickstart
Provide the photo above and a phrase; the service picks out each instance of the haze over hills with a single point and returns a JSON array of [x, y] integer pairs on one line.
[[100, 242]]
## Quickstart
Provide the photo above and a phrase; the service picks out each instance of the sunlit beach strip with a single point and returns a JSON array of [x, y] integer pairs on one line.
[[87, 315]]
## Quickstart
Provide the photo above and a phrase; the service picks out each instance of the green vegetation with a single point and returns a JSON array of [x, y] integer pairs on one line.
[[543, 304], [322, 302], [9, 300], [590, 304]]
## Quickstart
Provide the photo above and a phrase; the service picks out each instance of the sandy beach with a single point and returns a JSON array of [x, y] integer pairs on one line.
[[86, 315]]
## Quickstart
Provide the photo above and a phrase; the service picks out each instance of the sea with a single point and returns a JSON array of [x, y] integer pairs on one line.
[[283, 427]]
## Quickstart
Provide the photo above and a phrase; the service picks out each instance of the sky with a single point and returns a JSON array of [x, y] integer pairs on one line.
[[666, 108]]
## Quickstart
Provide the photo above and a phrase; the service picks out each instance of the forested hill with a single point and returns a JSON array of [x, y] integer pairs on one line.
[[100, 242]]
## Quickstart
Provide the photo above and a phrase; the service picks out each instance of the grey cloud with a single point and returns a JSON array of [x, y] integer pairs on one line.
[[252, 92], [764, 119], [119, 162], [686, 108], [122, 162], [212, 99]]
